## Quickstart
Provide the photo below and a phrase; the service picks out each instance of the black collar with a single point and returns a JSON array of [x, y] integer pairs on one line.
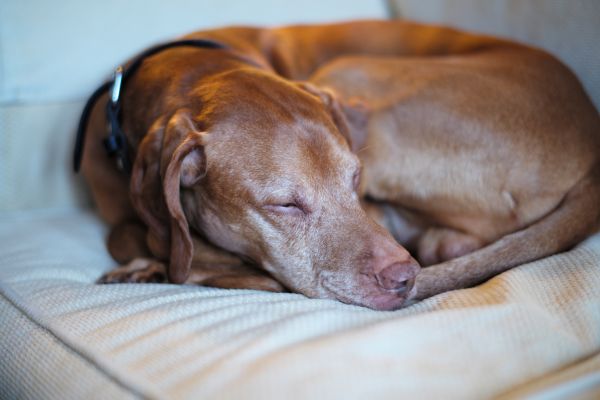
[[116, 141]]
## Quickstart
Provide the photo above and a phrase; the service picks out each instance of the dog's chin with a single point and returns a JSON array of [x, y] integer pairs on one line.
[[379, 300], [383, 302]]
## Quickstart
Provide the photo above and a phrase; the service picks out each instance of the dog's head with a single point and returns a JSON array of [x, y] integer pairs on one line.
[[265, 170]]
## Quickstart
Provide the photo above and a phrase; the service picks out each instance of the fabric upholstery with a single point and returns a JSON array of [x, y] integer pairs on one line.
[[38, 365], [534, 329]]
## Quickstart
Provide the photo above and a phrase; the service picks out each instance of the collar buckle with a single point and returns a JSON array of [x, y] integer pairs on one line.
[[115, 92]]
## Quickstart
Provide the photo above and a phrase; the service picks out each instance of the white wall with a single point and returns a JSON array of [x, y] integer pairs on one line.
[[59, 50]]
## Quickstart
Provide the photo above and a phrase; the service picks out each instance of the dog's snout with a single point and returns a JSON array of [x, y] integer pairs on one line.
[[398, 277]]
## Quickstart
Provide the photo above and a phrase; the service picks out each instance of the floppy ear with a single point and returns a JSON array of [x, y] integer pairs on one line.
[[166, 162], [146, 191], [350, 117]]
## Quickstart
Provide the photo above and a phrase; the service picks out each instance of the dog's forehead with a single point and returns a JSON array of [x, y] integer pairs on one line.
[[261, 127], [290, 153], [260, 103]]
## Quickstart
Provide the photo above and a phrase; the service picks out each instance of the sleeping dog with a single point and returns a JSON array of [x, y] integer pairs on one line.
[[336, 160]]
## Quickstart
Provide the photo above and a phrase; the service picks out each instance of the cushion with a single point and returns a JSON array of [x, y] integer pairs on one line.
[[532, 330]]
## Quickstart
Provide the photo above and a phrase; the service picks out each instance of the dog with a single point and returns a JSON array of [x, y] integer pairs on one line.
[[336, 160]]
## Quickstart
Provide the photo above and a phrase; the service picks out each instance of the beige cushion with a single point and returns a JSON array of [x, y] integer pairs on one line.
[[532, 330], [38, 365]]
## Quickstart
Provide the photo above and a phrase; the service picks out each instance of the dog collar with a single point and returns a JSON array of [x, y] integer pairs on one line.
[[116, 141]]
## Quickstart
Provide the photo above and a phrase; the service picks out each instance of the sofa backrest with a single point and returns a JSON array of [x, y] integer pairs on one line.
[[53, 54]]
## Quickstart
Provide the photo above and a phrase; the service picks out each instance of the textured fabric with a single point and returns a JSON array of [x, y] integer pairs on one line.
[[534, 329], [567, 29], [36, 365]]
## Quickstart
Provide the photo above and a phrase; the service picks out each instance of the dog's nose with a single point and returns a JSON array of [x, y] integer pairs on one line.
[[398, 277]]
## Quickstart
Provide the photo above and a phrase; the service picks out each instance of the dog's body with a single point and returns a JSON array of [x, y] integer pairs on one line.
[[477, 154]]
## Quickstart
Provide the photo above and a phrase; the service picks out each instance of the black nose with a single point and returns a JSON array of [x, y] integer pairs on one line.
[[398, 277]]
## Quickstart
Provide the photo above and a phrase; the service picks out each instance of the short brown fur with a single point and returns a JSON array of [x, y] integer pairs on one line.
[[476, 154]]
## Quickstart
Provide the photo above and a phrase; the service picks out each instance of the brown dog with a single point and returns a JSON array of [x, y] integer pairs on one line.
[[477, 155]]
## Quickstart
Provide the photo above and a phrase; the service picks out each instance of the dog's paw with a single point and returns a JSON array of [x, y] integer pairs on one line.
[[140, 270], [440, 244], [233, 276], [244, 282]]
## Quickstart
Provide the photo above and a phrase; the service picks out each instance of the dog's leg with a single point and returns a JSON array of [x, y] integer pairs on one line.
[[576, 217], [442, 244], [127, 241], [405, 226], [211, 266], [226, 276], [148, 270], [139, 270], [431, 245], [297, 51]]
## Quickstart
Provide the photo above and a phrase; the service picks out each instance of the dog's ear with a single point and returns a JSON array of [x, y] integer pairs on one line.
[[350, 117], [169, 158], [146, 192]]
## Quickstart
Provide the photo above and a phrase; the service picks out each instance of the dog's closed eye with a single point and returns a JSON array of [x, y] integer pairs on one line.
[[291, 209], [356, 180]]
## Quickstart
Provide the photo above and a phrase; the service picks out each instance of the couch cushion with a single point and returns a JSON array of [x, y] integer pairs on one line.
[[534, 329], [38, 365]]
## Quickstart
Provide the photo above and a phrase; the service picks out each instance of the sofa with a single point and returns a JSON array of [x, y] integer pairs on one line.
[[531, 332]]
